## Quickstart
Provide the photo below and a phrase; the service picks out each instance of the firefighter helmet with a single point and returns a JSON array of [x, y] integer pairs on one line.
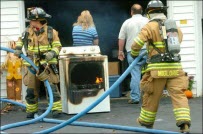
[[37, 13], [155, 6]]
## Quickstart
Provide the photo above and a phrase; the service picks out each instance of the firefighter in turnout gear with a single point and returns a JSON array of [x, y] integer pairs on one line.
[[42, 45], [163, 68]]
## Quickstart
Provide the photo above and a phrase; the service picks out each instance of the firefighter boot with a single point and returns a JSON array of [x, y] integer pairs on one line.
[[56, 114], [31, 115], [184, 128], [143, 124]]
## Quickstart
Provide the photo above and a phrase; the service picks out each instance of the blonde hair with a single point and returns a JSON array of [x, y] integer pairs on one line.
[[85, 20]]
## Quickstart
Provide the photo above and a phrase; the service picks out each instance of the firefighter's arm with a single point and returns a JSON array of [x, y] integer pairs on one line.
[[19, 46], [56, 47], [136, 46], [139, 41], [23, 40], [56, 44]]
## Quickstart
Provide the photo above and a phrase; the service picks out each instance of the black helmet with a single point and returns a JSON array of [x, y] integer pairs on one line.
[[37, 13], [155, 6]]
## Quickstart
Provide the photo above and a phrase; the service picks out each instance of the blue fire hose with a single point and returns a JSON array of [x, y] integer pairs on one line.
[[110, 126], [71, 120], [13, 102], [49, 92]]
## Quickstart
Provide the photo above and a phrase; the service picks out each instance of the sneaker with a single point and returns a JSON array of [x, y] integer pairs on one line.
[[31, 115], [56, 113], [145, 125], [184, 128], [133, 102]]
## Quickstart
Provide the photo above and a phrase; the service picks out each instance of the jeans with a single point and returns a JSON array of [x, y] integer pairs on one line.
[[136, 76]]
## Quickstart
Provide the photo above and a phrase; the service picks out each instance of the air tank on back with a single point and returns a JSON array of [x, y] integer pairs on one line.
[[172, 38]]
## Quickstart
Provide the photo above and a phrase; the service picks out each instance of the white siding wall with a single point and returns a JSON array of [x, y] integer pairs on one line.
[[198, 48], [12, 25], [192, 41]]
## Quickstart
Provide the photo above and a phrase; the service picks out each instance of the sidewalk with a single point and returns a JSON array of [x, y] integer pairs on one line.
[[121, 114]]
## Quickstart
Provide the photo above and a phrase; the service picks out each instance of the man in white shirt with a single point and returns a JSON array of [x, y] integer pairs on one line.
[[129, 30]]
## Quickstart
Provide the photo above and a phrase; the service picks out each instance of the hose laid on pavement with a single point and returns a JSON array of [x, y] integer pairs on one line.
[[17, 124], [13, 102], [110, 126]]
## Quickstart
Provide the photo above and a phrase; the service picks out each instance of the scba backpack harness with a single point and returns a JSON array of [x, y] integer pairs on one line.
[[49, 36], [43, 71], [169, 33]]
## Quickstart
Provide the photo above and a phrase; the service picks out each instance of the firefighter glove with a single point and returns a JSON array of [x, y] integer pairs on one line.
[[18, 52], [49, 55]]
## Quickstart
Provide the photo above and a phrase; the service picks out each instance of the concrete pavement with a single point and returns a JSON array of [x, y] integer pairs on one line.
[[121, 114]]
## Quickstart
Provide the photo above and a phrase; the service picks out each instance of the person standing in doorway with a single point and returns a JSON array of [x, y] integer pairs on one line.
[[129, 30], [84, 31]]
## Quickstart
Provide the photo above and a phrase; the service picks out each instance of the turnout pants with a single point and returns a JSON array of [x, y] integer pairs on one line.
[[152, 89], [33, 85]]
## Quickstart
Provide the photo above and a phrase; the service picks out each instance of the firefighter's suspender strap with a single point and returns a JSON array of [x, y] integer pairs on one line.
[[25, 38], [50, 35], [160, 22], [151, 43]]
